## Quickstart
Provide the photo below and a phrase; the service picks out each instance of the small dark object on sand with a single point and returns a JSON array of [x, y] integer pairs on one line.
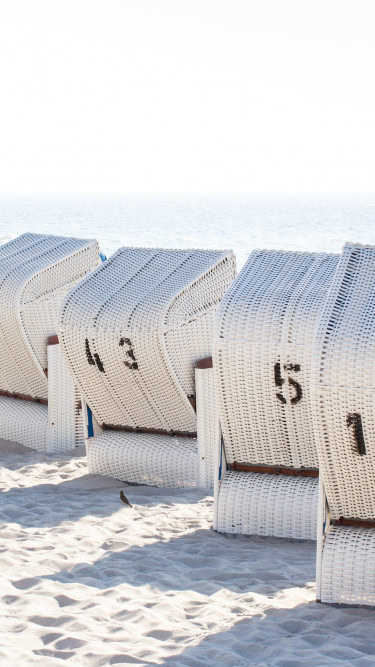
[[124, 499]]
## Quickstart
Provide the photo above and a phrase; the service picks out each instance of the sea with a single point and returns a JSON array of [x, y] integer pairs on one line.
[[308, 223]]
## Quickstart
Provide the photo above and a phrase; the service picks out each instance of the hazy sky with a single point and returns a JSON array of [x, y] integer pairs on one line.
[[187, 96]]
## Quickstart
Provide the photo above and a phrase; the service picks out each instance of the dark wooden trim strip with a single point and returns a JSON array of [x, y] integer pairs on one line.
[[24, 397], [204, 363], [129, 429], [275, 470], [193, 402], [357, 523], [53, 340]]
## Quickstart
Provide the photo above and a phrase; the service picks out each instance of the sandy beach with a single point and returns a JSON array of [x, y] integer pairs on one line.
[[91, 581]]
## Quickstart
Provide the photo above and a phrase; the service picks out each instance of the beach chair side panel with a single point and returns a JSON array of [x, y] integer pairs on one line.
[[65, 416], [208, 423]]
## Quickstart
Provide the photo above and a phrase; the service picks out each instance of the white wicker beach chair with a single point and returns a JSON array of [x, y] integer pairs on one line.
[[132, 332], [36, 271], [267, 467], [343, 400]]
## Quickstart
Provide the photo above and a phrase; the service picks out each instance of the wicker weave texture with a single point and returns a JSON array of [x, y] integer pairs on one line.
[[65, 418], [271, 505], [133, 329], [208, 426], [348, 566], [25, 422], [344, 386], [142, 458], [262, 357], [35, 273]]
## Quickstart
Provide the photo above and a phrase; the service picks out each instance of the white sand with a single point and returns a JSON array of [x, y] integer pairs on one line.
[[88, 580]]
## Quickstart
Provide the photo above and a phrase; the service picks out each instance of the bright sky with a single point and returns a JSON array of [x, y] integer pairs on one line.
[[187, 96]]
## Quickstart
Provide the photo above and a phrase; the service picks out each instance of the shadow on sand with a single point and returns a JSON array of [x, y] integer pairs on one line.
[[308, 634], [203, 561]]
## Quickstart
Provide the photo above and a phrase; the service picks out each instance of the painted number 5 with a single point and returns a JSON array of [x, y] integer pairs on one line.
[[279, 381]]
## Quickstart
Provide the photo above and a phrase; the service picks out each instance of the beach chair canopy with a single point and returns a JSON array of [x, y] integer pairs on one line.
[[344, 392], [132, 330], [262, 357], [35, 273]]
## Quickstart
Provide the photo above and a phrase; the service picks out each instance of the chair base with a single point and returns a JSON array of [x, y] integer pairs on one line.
[[270, 505], [24, 422], [348, 566], [143, 458]]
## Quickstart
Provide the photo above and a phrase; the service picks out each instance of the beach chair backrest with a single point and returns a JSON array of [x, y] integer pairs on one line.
[[133, 329], [344, 386], [36, 271], [262, 357]]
